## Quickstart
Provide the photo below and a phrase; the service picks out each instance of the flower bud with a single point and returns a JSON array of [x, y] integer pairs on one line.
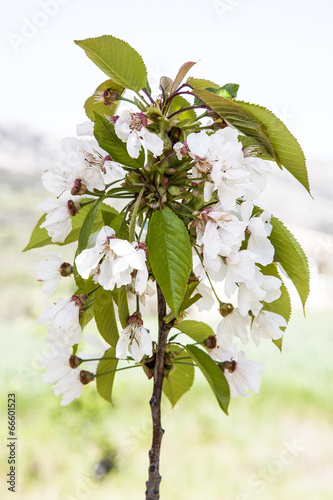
[[171, 171], [79, 300], [226, 309], [230, 366], [74, 361], [73, 207], [65, 269], [174, 190], [78, 188], [166, 84], [86, 377], [135, 318], [210, 342]]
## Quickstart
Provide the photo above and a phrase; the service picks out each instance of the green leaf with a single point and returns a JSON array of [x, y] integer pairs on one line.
[[108, 214], [179, 102], [228, 91], [257, 148], [179, 381], [105, 316], [170, 256], [290, 255], [120, 226], [108, 140], [184, 69], [188, 301], [88, 225], [243, 120], [95, 104], [117, 59], [287, 149], [85, 231], [40, 238], [197, 330], [213, 374], [261, 124], [200, 84], [104, 383], [120, 298], [87, 317]]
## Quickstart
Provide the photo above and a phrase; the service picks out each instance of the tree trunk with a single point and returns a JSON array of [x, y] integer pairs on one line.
[[154, 478]]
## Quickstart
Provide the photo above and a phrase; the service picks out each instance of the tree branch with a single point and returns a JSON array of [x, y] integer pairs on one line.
[[154, 478]]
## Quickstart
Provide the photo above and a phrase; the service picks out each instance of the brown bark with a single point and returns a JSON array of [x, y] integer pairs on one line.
[[154, 478]]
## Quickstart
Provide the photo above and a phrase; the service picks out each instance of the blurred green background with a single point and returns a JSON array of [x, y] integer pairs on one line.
[[274, 445]]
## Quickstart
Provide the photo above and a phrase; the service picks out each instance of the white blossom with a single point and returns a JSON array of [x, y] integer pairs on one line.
[[207, 300], [239, 267], [259, 244], [70, 386], [242, 374], [84, 160], [180, 149], [113, 172], [136, 340], [220, 232], [233, 325], [131, 128], [58, 222], [268, 326], [86, 128], [57, 182], [50, 271], [112, 262], [63, 318], [57, 364], [261, 288]]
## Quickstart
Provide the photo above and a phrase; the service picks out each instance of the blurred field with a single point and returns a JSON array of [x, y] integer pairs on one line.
[[275, 445]]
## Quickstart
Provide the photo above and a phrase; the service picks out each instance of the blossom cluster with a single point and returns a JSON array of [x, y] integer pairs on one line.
[[112, 262], [232, 241]]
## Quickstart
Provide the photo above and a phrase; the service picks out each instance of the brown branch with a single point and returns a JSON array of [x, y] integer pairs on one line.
[[154, 478]]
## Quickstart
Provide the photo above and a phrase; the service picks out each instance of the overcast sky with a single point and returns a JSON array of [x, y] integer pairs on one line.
[[279, 51]]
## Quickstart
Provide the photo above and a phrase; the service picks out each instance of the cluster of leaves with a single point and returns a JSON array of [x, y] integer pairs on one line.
[[162, 198]]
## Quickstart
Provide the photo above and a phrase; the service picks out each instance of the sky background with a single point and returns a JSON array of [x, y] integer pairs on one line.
[[279, 51]]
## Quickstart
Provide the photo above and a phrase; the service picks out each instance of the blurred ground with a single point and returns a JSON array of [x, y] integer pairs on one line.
[[274, 446]]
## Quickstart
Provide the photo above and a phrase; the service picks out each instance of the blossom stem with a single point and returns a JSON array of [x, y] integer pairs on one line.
[[94, 290], [154, 478], [210, 281], [87, 203], [90, 193], [143, 224], [120, 98], [202, 116], [183, 363], [188, 108], [117, 370], [148, 95], [134, 214]]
